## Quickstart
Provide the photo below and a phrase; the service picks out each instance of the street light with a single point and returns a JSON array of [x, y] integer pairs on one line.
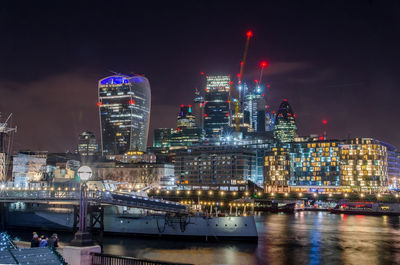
[[82, 237]]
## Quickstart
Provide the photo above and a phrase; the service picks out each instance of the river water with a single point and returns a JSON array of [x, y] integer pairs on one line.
[[300, 238]]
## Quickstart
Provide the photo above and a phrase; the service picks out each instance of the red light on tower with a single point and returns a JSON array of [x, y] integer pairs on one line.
[[131, 102], [321, 138], [99, 104], [249, 34], [255, 81], [205, 115], [202, 73], [324, 121], [268, 86], [284, 99], [181, 105], [263, 64]]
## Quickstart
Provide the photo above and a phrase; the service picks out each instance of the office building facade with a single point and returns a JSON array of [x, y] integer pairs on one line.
[[285, 129], [87, 144], [215, 167], [124, 108], [217, 107], [359, 164]]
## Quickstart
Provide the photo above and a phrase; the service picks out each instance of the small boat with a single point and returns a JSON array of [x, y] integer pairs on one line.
[[366, 208], [274, 207]]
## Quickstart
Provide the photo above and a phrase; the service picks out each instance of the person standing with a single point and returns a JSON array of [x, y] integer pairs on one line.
[[35, 240], [43, 243], [53, 241]]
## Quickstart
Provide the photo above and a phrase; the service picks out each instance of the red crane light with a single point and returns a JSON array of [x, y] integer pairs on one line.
[[321, 138], [249, 34], [284, 99], [202, 73], [324, 121], [263, 64], [99, 104]]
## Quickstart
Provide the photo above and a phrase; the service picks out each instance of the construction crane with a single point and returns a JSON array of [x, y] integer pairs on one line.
[[263, 64], [249, 34], [235, 94]]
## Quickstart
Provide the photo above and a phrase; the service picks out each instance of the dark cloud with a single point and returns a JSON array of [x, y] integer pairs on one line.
[[51, 112]]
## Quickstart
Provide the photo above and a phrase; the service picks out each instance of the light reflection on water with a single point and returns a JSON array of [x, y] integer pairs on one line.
[[301, 238]]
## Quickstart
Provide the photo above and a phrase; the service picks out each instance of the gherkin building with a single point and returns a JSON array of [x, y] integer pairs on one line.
[[285, 124]]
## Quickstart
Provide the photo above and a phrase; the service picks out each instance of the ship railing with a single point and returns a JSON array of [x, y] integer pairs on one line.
[[142, 202], [101, 259]]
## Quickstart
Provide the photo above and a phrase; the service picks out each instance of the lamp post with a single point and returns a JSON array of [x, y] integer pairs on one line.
[[82, 237]]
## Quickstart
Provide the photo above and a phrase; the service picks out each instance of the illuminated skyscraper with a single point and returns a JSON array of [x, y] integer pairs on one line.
[[285, 125], [254, 111], [87, 144], [124, 105], [216, 112], [185, 119], [198, 110]]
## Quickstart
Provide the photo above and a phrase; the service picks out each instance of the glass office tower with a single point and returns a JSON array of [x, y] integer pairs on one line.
[[124, 106], [216, 111], [285, 125]]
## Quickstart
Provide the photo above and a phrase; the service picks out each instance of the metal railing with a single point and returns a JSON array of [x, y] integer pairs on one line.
[[96, 197], [107, 259]]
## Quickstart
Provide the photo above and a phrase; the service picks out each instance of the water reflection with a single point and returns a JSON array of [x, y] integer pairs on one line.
[[301, 238]]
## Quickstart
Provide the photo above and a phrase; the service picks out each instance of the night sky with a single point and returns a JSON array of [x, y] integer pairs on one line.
[[333, 60]]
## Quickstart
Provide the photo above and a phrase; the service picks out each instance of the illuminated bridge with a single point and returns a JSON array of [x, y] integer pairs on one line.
[[94, 198]]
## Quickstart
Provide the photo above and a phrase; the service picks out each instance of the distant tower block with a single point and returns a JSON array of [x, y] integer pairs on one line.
[[124, 106], [87, 144], [285, 124], [185, 119], [198, 110], [217, 107]]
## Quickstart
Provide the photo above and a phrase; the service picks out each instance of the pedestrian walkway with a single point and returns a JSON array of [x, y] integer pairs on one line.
[[11, 254]]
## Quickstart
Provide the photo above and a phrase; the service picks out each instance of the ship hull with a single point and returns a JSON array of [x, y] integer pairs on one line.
[[194, 227]]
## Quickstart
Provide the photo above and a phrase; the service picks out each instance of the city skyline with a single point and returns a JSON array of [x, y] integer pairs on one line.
[[350, 87]]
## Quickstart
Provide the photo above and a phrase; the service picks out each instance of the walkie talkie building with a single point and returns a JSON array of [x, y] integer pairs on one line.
[[124, 109]]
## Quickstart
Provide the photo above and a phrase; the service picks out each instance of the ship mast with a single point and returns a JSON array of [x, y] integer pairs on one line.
[[5, 146]]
